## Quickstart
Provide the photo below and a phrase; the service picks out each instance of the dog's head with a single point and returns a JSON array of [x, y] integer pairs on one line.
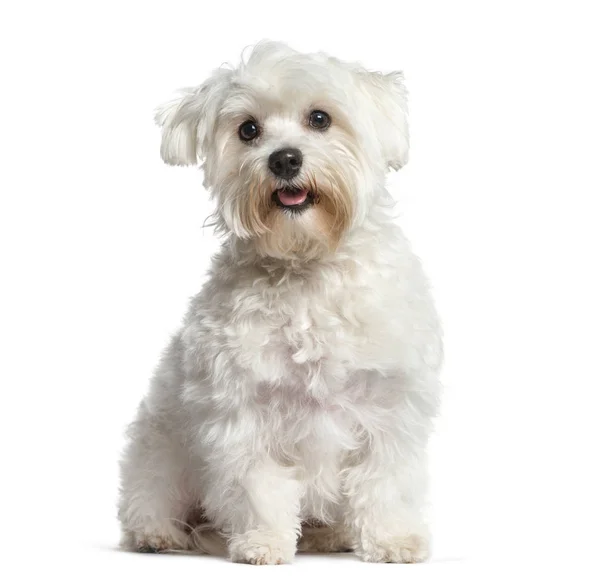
[[293, 145]]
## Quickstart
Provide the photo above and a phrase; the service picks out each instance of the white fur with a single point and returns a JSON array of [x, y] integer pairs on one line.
[[303, 382]]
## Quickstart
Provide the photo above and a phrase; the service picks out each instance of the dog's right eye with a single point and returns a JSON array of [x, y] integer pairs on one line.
[[248, 131]]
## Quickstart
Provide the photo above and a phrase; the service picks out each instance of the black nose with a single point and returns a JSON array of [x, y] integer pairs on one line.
[[285, 163]]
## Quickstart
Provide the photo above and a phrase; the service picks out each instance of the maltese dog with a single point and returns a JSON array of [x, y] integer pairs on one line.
[[292, 410]]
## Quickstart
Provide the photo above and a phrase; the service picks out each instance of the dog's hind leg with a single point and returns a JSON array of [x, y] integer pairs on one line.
[[154, 500]]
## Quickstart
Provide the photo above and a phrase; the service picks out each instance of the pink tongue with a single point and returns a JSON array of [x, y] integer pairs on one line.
[[295, 198]]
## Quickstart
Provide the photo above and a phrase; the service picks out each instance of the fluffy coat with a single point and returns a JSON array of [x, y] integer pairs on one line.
[[293, 408]]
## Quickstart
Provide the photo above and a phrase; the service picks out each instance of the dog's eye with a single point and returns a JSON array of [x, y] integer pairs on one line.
[[248, 131], [319, 120]]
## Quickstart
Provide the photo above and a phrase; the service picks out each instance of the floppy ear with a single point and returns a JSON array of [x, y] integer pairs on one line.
[[188, 122], [388, 96]]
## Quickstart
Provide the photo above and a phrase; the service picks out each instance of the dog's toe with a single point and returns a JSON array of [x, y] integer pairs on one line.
[[407, 549], [260, 549]]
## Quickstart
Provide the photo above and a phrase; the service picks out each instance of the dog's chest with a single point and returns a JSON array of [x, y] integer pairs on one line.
[[315, 336]]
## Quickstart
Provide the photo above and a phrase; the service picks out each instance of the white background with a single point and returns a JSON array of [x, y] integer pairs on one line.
[[102, 245]]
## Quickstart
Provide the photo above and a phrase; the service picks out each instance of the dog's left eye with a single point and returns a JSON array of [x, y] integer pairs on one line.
[[319, 120], [248, 131]]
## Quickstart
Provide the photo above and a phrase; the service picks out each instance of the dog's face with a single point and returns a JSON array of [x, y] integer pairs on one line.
[[293, 146]]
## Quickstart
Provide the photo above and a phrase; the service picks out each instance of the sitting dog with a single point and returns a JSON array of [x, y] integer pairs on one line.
[[292, 410]]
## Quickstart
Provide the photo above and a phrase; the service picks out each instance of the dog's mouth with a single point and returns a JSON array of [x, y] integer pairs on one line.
[[293, 199]]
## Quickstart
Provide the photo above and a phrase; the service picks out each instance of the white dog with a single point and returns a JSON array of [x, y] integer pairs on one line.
[[293, 408]]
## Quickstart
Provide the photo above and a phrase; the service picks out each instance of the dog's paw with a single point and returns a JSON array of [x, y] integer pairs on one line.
[[405, 549], [152, 542], [261, 548]]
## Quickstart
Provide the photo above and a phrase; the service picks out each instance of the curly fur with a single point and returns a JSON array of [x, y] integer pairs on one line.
[[298, 396]]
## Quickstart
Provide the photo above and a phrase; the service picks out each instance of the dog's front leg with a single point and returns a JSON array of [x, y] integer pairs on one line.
[[259, 512], [386, 493]]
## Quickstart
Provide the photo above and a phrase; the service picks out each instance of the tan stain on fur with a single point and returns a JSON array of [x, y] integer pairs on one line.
[[255, 208], [155, 543], [335, 208], [313, 234]]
